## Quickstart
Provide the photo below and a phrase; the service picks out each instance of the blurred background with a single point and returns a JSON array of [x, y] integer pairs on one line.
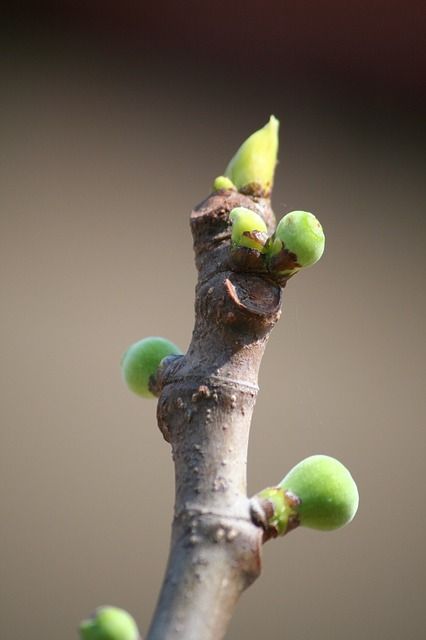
[[116, 117]]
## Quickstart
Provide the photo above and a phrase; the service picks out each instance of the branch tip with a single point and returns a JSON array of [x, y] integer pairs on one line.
[[252, 168]]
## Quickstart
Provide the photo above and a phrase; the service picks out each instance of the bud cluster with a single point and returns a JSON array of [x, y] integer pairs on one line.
[[298, 241]]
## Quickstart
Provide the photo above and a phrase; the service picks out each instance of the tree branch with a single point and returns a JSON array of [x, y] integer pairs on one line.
[[206, 402], [204, 410]]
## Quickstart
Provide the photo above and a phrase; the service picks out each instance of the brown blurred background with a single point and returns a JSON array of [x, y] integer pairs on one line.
[[115, 119]]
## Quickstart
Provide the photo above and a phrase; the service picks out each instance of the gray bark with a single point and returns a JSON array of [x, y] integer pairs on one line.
[[206, 401]]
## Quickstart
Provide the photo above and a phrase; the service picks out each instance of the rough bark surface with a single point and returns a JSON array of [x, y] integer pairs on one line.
[[206, 401]]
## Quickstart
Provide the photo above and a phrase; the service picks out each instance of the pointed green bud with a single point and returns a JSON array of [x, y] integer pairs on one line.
[[298, 242], [326, 490], [109, 623], [223, 183], [252, 167], [248, 229], [140, 363]]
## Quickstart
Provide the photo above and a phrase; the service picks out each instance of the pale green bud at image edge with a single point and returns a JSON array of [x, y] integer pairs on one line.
[[109, 623], [254, 162], [244, 222], [141, 361], [328, 493]]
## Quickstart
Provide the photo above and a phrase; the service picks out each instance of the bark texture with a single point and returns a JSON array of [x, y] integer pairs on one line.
[[206, 401]]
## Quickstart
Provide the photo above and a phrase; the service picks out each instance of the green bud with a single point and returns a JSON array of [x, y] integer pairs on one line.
[[326, 490], [109, 623], [140, 363], [248, 229], [252, 167], [222, 183], [298, 242]]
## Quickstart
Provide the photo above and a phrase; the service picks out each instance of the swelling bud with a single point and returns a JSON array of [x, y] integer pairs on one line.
[[298, 242], [252, 168], [140, 363], [109, 623], [326, 496], [248, 229]]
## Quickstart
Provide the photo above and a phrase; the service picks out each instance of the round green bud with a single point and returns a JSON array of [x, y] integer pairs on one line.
[[300, 234], [248, 229], [222, 183], [254, 163], [327, 492], [141, 361], [109, 623]]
